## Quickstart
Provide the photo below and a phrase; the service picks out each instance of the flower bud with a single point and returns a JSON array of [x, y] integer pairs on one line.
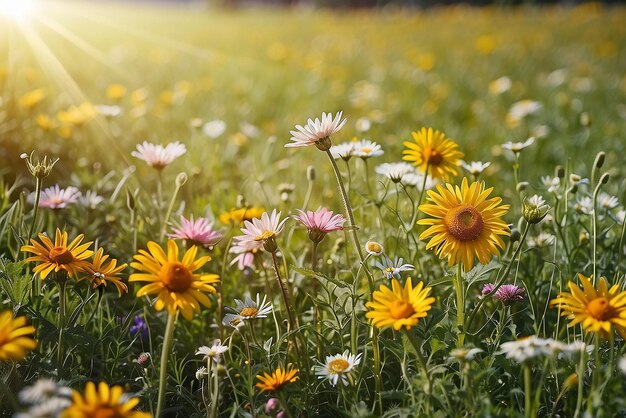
[[535, 209], [181, 179], [521, 186], [271, 406], [599, 161], [559, 171], [38, 168], [515, 235], [585, 119], [605, 178], [374, 248], [310, 173]]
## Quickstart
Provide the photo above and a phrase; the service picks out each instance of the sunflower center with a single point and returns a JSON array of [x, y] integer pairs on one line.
[[61, 255], [338, 365], [433, 157], [464, 223], [401, 310], [176, 276], [264, 236], [249, 311], [600, 309]]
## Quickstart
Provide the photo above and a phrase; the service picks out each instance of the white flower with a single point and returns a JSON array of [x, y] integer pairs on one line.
[[91, 199], [533, 347], [393, 268], [465, 353], [212, 352], [158, 156], [620, 216], [233, 320], [338, 367], [42, 390], [572, 349], [475, 167], [262, 230], [552, 183], [200, 373], [214, 128], [584, 205], [344, 150], [415, 179], [108, 111], [394, 171], [250, 309], [542, 240], [363, 124], [366, 148], [56, 198], [622, 364], [517, 147], [374, 248], [52, 407], [540, 131], [607, 201], [249, 130], [556, 77], [316, 131], [519, 110], [500, 85]]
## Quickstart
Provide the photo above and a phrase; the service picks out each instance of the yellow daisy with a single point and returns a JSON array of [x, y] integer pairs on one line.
[[433, 151], [598, 310], [100, 274], [237, 216], [276, 380], [399, 306], [15, 337], [464, 223], [104, 402], [173, 282], [59, 255]]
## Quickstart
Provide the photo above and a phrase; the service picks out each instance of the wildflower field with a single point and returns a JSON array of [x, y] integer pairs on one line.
[[302, 213]]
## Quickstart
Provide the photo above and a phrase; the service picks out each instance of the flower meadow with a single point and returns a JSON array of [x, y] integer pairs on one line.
[[269, 213]]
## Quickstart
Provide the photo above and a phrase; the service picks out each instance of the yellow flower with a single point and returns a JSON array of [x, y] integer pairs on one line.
[[172, 281], [399, 306], [31, 99], [237, 216], [99, 274], [59, 255], [277, 379], [15, 337], [104, 402], [598, 310], [464, 224], [433, 151], [116, 92], [77, 116], [44, 122]]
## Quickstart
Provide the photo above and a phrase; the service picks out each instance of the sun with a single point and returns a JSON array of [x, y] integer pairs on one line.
[[18, 10]]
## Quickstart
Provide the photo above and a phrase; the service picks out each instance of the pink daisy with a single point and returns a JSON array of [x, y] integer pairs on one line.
[[199, 231], [158, 156], [262, 230], [245, 251], [507, 293], [320, 222], [56, 198], [317, 132]]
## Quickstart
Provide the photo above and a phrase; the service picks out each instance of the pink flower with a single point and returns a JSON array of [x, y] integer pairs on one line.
[[507, 293], [56, 198], [317, 132], [199, 231], [320, 222], [262, 231], [158, 156], [246, 251]]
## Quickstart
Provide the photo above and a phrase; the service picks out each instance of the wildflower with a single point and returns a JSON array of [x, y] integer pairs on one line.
[[251, 309], [197, 232], [245, 252], [214, 352], [99, 274], [90, 200], [116, 92], [518, 147], [366, 149], [158, 156], [237, 216], [363, 124], [214, 128], [142, 358], [345, 151], [542, 240], [584, 205], [399, 306], [475, 167], [56, 198], [272, 406], [622, 364], [434, 152], [607, 201], [140, 327], [42, 390], [500, 85], [59, 255], [276, 380], [620, 216], [264, 230], [109, 112], [201, 372], [77, 115], [507, 293], [233, 320], [415, 179], [338, 368], [552, 183], [519, 110], [464, 224], [16, 338], [596, 309], [52, 407], [529, 348], [31, 99], [173, 282], [317, 132], [374, 248], [465, 353], [393, 268], [535, 209], [39, 168], [394, 171], [320, 222], [45, 122], [103, 401]]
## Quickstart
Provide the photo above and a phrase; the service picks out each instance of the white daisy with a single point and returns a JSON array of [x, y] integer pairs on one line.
[[394, 171], [250, 309], [363, 124], [475, 167], [344, 151], [213, 352], [416, 179], [544, 239], [500, 85], [607, 201], [42, 390], [517, 147], [393, 268], [519, 110], [338, 367], [233, 320], [317, 132], [552, 183], [584, 205], [366, 149], [620, 216], [90, 200], [214, 128], [56, 198], [108, 111], [158, 156], [263, 230], [529, 348]]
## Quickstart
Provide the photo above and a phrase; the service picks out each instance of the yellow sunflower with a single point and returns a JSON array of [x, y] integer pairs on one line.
[[100, 274], [399, 306], [59, 255], [104, 402], [433, 151], [464, 223], [277, 379], [173, 282], [597, 309], [237, 216], [15, 337]]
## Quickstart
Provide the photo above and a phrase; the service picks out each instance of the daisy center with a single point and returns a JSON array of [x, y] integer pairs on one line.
[[61, 255], [176, 276], [249, 311], [600, 309], [338, 365], [401, 310], [464, 223], [264, 236], [366, 150], [432, 156]]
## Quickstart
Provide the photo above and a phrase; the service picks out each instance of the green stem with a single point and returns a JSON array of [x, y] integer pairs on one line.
[[460, 305], [581, 381], [594, 229], [209, 369], [165, 352], [169, 210], [215, 394], [35, 208], [316, 314], [528, 392], [284, 404], [6, 390], [421, 362], [62, 284]]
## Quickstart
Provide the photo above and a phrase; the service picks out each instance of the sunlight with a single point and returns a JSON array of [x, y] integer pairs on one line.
[[17, 9]]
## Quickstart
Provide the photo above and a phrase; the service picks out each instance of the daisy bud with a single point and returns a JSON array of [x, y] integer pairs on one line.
[[605, 178], [559, 171], [374, 248], [599, 161], [38, 168], [200, 373], [310, 173], [535, 209], [181, 179], [585, 119], [521, 186], [515, 235], [270, 245]]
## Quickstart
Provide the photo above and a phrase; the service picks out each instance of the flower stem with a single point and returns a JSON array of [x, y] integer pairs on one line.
[[35, 208], [594, 229], [581, 382], [284, 404], [528, 392], [215, 394], [165, 352], [62, 283], [460, 305], [421, 362], [169, 210], [316, 308]]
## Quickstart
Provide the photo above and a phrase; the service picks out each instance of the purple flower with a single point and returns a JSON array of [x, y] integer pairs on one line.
[[507, 293], [199, 231], [140, 327], [320, 222]]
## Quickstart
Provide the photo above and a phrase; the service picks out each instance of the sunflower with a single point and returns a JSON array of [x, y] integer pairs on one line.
[[100, 274], [399, 306], [464, 224], [15, 337], [172, 281], [277, 379], [434, 152], [597, 309], [104, 402], [59, 255]]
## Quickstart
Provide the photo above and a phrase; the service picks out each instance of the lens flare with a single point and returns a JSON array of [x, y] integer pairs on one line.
[[18, 10]]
